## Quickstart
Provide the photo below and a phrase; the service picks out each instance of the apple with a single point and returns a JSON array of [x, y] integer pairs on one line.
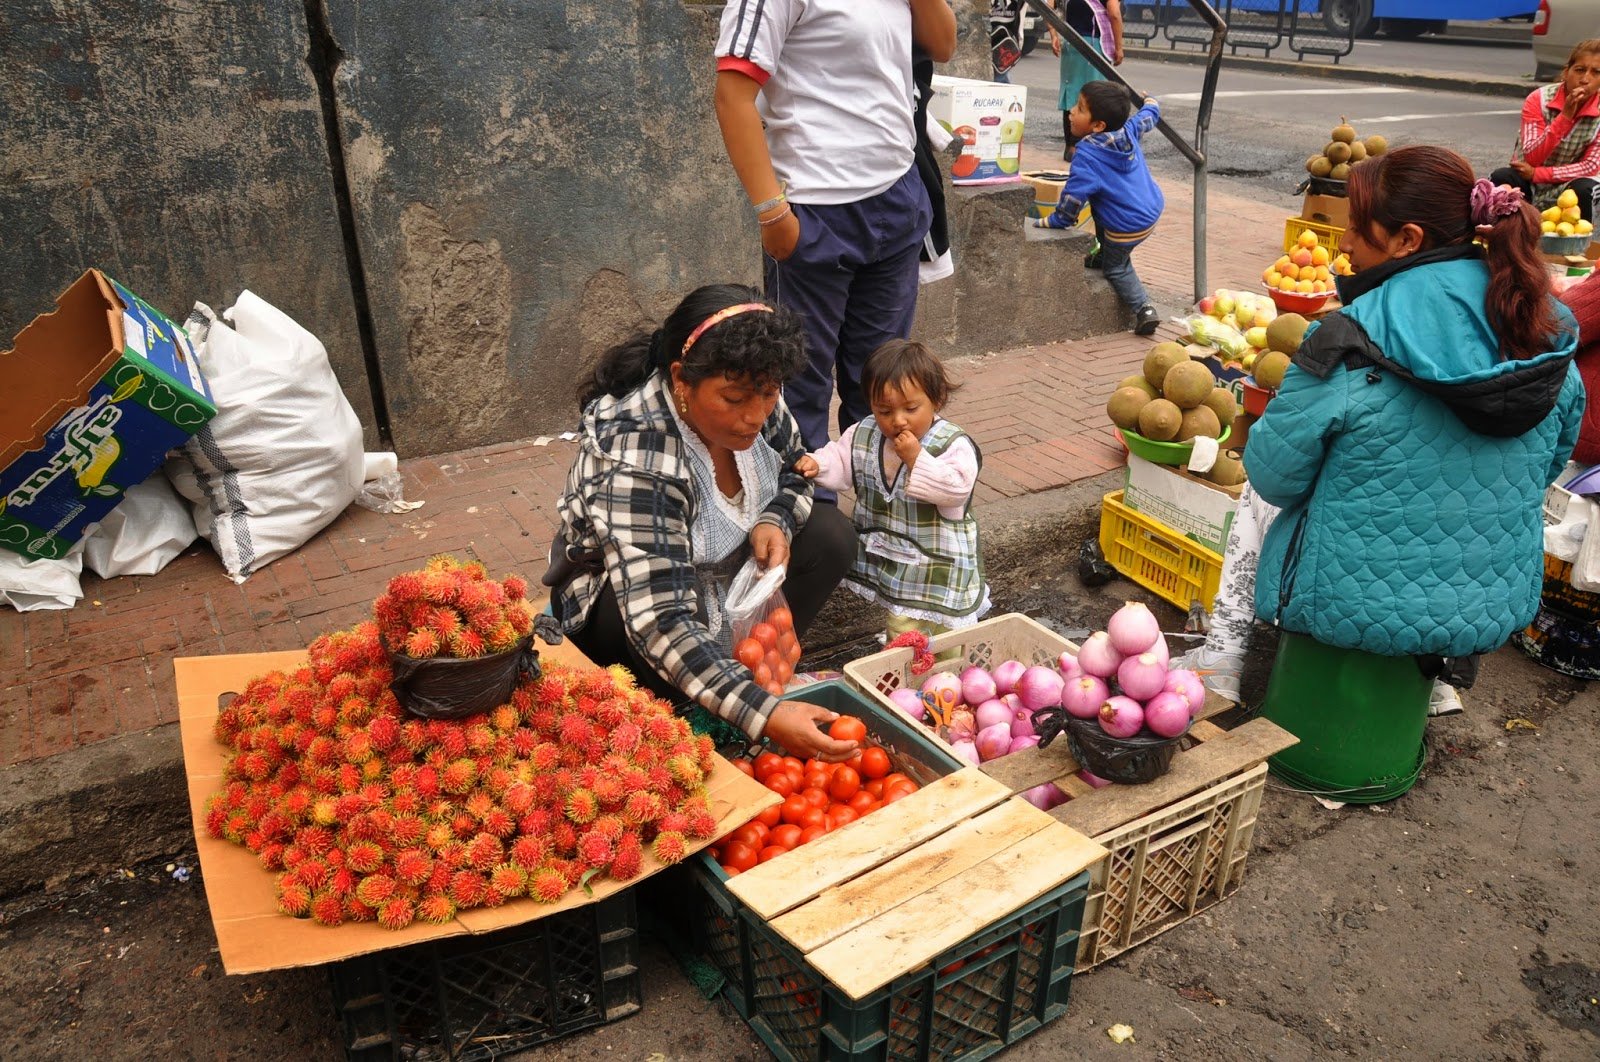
[[1248, 361], [1319, 255], [1256, 337], [1206, 305], [1245, 313], [1307, 239], [1224, 304], [1301, 257]]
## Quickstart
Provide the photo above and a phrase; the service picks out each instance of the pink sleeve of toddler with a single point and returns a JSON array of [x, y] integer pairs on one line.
[[834, 466], [946, 480]]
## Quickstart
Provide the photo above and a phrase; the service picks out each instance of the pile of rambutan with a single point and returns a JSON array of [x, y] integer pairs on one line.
[[367, 813], [454, 609]]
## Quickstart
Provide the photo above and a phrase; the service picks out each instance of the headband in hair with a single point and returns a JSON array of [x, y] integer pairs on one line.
[[1491, 202], [720, 316]]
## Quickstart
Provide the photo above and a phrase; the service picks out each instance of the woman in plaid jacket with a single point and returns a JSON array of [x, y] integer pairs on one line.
[[685, 469]]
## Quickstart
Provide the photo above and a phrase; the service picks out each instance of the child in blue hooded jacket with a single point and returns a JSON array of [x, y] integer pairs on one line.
[[1110, 174]]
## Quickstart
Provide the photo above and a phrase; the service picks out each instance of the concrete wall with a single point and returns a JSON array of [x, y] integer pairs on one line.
[[526, 183], [178, 147]]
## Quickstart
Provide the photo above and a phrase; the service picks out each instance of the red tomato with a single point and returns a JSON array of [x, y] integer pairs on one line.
[[744, 765], [862, 802], [753, 834], [848, 728], [817, 798], [739, 856], [892, 778], [766, 634], [782, 671], [771, 852], [765, 763], [811, 833], [817, 778], [840, 815], [845, 784], [793, 655], [897, 793], [797, 777], [763, 675], [875, 787], [813, 816], [795, 762], [749, 653], [732, 872], [874, 763], [787, 641], [780, 782], [775, 688], [821, 765], [905, 788], [793, 805], [786, 836], [854, 762], [781, 618], [770, 817]]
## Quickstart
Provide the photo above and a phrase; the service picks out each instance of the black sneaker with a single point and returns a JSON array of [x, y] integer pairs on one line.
[[1144, 324], [1092, 259]]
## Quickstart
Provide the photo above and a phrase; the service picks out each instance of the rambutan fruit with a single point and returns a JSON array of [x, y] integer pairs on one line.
[[464, 823], [396, 913], [518, 798], [478, 803], [323, 751], [480, 738], [405, 802], [422, 644], [702, 825], [373, 889], [546, 789], [312, 873], [439, 878], [573, 730], [609, 792], [528, 852], [502, 638], [327, 909], [325, 716], [414, 735], [412, 866], [363, 857], [467, 644], [685, 770], [595, 850], [536, 822], [427, 782], [294, 899], [437, 908], [509, 880], [545, 756], [439, 834], [629, 858], [384, 732], [452, 738], [348, 805], [547, 885], [356, 911], [660, 779], [294, 855], [564, 836], [504, 719], [350, 777], [670, 847], [612, 713], [271, 855], [459, 776], [581, 806], [610, 826], [467, 889], [625, 737], [342, 686], [484, 851], [216, 817], [643, 807], [523, 742], [662, 729], [499, 823], [342, 882], [515, 587]]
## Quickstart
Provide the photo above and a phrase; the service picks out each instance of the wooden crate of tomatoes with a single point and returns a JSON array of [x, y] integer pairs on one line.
[[896, 905]]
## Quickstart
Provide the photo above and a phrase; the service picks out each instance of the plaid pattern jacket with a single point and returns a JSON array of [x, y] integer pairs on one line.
[[630, 495]]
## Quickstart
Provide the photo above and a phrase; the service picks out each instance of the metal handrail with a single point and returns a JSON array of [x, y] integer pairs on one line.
[[1195, 153]]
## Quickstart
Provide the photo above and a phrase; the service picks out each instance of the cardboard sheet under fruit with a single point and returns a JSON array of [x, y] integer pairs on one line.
[[253, 936]]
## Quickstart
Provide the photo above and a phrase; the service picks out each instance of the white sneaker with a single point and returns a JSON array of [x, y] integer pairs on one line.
[[1444, 700], [1224, 669]]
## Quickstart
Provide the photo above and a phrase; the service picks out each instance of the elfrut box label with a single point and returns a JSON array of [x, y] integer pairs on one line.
[[94, 395], [988, 117]]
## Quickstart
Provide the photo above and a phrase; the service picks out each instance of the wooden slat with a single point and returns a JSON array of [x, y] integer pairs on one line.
[[1074, 786], [872, 955], [1201, 730], [1192, 771], [773, 888], [841, 909], [1026, 768]]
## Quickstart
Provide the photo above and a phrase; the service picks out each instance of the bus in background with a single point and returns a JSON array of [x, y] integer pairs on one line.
[[1399, 19]]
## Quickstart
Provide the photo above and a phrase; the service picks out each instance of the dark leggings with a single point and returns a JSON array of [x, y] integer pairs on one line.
[[819, 556], [1584, 187]]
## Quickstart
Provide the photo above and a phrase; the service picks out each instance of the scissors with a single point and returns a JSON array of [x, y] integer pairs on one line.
[[940, 703]]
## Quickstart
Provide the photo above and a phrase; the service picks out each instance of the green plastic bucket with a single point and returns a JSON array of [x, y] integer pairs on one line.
[[1359, 718]]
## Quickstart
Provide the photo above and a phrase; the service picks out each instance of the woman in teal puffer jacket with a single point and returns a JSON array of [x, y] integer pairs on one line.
[[1416, 431]]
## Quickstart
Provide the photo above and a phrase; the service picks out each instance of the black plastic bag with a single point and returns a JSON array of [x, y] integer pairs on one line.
[[1131, 761], [453, 688]]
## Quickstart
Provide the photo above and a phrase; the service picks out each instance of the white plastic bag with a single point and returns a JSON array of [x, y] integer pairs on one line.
[[30, 585], [759, 614], [142, 534], [283, 457], [381, 489]]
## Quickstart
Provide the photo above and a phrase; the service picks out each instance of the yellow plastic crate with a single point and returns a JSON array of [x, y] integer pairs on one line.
[[1156, 556], [1327, 235]]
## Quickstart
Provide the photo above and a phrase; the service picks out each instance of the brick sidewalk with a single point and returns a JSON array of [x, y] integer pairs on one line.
[[102, 669]]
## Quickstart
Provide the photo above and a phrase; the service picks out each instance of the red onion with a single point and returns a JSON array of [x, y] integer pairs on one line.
[[909, 701], [1005, 676], [942, 680], [990, 712], [961, 726], [1021, 718], [1083, 696], [966, 750], [977, 686], [1159, 649], [1067, 664], [993, 742], [1098, 657], [1093, 779], [1142, 677], [1121, 716], [1023, 741], [1187, 684], [1133, 629], [1167, 714], [1044, 797], [1038, 687]]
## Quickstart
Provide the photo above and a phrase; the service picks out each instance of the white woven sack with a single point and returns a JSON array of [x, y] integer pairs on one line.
[[31, 585], [142, 535], [282, 458]]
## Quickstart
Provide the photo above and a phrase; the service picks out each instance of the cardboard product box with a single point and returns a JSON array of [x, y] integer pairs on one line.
[[1227, 374], [252, 936], [92, 396], [1331, 210], [988, 117], [1200, 509]]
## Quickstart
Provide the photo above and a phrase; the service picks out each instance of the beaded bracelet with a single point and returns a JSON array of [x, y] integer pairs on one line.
[[782, 197], [775, 218]]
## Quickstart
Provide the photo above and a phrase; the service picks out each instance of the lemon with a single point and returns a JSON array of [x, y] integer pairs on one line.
[[1547, 226], [1583, 228], [1568, 198], [1552, 215], [1565, 228]]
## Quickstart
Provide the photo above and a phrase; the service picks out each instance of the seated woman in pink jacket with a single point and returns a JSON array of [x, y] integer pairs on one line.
[[1559, 146]]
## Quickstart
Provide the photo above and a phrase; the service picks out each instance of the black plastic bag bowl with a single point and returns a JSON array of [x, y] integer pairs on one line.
[[452, 688], [1130, 761]]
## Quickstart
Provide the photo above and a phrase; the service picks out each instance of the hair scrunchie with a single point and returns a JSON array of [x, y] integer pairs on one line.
[[1491, 202]]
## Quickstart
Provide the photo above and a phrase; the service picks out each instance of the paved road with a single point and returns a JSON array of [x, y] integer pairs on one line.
[[1264, 126]]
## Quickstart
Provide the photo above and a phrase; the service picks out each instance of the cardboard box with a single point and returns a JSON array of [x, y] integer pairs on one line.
[[252, 936], [1227, 374], [92, 396], [1331, 210], [1198, 508], [988, 116]]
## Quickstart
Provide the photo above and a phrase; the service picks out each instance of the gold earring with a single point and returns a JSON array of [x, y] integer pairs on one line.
[[683, 405]]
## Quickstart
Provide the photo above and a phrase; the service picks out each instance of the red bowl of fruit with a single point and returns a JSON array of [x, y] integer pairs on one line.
[[1296, 302], [1256, 398]]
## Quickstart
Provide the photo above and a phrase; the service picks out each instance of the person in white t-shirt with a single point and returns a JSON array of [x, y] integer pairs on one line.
[[815, 102]]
